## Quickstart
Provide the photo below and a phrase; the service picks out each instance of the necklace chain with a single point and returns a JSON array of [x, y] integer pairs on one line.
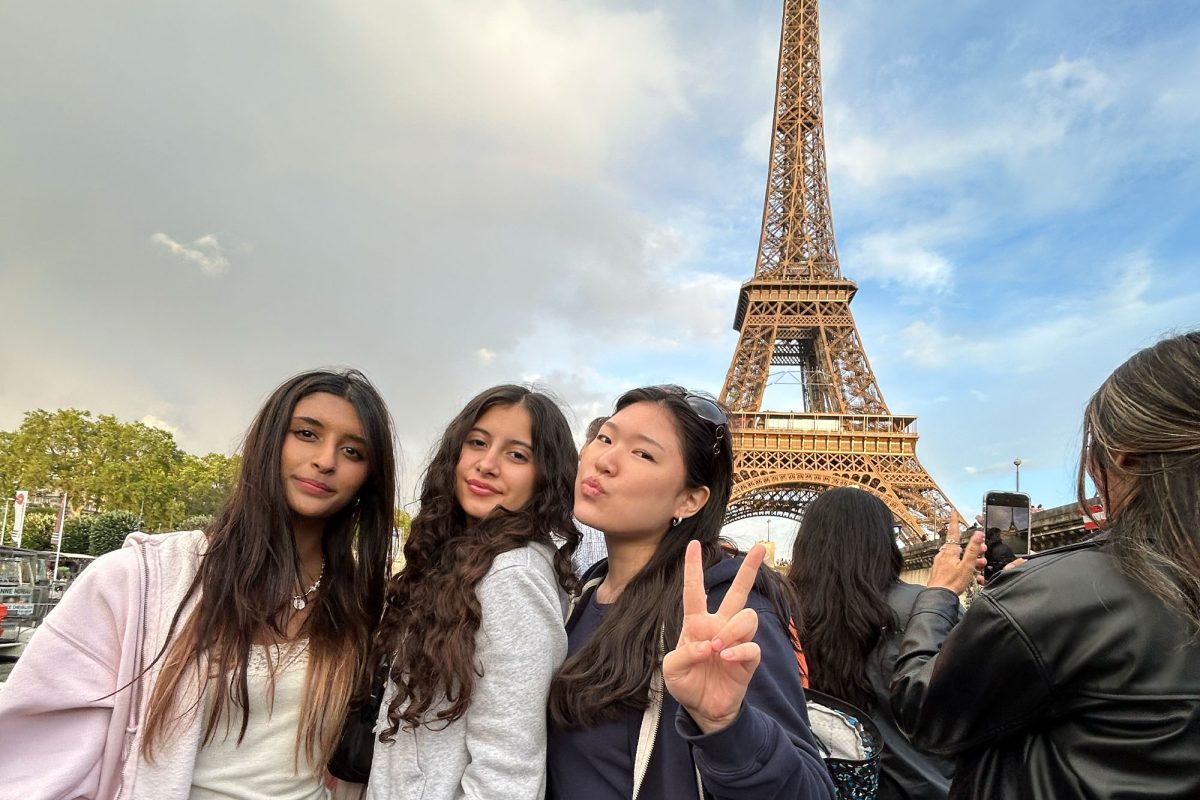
[[299, 601]]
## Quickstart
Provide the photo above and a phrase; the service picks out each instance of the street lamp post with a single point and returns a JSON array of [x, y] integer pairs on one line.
[[1017, 464]]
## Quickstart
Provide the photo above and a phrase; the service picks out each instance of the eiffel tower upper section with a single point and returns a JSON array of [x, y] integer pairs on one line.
[[795, 313]]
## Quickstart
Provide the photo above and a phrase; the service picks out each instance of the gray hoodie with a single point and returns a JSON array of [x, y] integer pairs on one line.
[[498, 748]]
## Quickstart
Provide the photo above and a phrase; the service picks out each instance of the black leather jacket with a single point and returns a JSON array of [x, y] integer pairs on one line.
[[907, 773], [1064, 679]]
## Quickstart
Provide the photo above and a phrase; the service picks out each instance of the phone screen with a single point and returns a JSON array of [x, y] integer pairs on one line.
[[1006, 528], [1008, 512]]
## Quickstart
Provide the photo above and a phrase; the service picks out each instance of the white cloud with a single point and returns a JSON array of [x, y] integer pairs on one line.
[[485, 356], [1036, 336], [900, 257], [205, 252], [151, 421]]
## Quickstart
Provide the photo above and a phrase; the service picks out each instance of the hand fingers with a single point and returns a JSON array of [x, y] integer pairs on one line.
[[975, 547], [740, 628], [743, 582], [748, 654], [954, 567], [694, 599], [1016, 563], [686, 656]]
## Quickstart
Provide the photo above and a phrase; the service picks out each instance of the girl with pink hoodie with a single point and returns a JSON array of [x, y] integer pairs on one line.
[[220, 663]]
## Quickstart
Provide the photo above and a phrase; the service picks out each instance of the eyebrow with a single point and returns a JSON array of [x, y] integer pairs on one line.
[[316, 423], [642, 436], [488, 433]]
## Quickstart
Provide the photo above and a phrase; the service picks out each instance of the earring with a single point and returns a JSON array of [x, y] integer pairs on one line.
[[674, 521]]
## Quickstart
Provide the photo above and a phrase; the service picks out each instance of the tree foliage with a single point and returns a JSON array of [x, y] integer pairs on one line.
[[198, 522], [110, 529], [36, 531], [402, 522], [77, 532], [104, 464]]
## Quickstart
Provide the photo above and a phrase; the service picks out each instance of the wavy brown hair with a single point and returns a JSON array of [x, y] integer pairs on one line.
[[1143, 425], [611, 674], [844, 563], [433, 613], [250, 569]]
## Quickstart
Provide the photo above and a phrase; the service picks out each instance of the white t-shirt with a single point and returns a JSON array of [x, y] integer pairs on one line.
[[264, 765]]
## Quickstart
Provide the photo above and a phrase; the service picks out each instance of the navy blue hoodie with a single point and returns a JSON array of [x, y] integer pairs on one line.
[[766, 753]]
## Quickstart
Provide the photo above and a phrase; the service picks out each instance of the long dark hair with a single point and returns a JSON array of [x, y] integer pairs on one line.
[[610, 675], [1147, 414], [433, 613], [844, 561], [250, 569]]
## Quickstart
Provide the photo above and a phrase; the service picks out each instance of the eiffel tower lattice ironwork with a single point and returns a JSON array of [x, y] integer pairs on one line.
[[795, 313]]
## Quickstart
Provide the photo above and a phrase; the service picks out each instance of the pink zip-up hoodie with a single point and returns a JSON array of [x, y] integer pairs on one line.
[[71, 713]]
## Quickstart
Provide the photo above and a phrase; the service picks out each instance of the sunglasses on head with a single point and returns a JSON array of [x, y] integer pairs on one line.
[[708, 410]]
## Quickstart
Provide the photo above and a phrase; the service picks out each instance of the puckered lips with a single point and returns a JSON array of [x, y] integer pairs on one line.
[[590, 487]]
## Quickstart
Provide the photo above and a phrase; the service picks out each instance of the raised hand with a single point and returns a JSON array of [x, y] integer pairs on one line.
[[953, 569], [716, 656]]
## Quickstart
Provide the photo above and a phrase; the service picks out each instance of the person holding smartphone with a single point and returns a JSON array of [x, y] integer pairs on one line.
[[1078, 673]]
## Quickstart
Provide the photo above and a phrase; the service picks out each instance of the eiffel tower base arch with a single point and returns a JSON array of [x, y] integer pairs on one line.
[[788, 494]]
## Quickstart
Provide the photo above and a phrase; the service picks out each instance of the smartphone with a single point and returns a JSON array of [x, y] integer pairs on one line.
[[1005, 527]]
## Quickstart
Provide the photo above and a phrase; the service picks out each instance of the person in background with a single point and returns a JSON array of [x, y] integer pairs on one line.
[[999, 555], [1077, 673], [220, 663], [591, 541], [846, 571]]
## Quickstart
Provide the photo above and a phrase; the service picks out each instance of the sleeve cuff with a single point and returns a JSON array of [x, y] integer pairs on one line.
[[734, 748]]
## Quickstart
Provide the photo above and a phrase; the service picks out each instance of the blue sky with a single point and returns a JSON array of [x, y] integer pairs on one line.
[[201, 200]]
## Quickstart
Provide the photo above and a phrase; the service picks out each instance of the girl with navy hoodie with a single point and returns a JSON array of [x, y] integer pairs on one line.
[[674, 608]]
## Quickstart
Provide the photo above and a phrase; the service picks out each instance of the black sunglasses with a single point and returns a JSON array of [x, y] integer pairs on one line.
[[708, 410]]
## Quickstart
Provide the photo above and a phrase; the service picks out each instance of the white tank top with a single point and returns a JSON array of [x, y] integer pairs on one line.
[[261, 767]]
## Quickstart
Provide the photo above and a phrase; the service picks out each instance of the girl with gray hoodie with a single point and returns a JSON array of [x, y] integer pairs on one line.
[[474, 620]]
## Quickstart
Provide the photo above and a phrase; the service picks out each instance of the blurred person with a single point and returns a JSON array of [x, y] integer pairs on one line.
[[1077, 673], [999, 555], [591, 541], [846, 571]]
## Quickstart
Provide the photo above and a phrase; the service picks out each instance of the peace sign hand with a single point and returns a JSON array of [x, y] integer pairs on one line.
[[709, 669]]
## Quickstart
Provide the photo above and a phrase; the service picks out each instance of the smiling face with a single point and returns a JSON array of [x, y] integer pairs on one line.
[[324, 458], [495, 465], [632, 477]]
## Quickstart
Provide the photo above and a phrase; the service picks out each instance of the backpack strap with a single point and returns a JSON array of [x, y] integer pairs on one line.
[[651, 718], [590, 579]]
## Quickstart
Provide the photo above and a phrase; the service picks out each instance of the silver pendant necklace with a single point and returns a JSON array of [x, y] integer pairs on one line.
[[299, 601]]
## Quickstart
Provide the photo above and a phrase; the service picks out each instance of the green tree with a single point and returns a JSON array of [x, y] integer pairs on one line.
[[77, 533], [36, 531], [196, 522], [104, 464], [109, 531], [402, 521], [203, 483], [139, 470], [51, 450]]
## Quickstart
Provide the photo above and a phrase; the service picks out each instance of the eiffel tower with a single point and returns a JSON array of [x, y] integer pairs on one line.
[[795, 313]]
